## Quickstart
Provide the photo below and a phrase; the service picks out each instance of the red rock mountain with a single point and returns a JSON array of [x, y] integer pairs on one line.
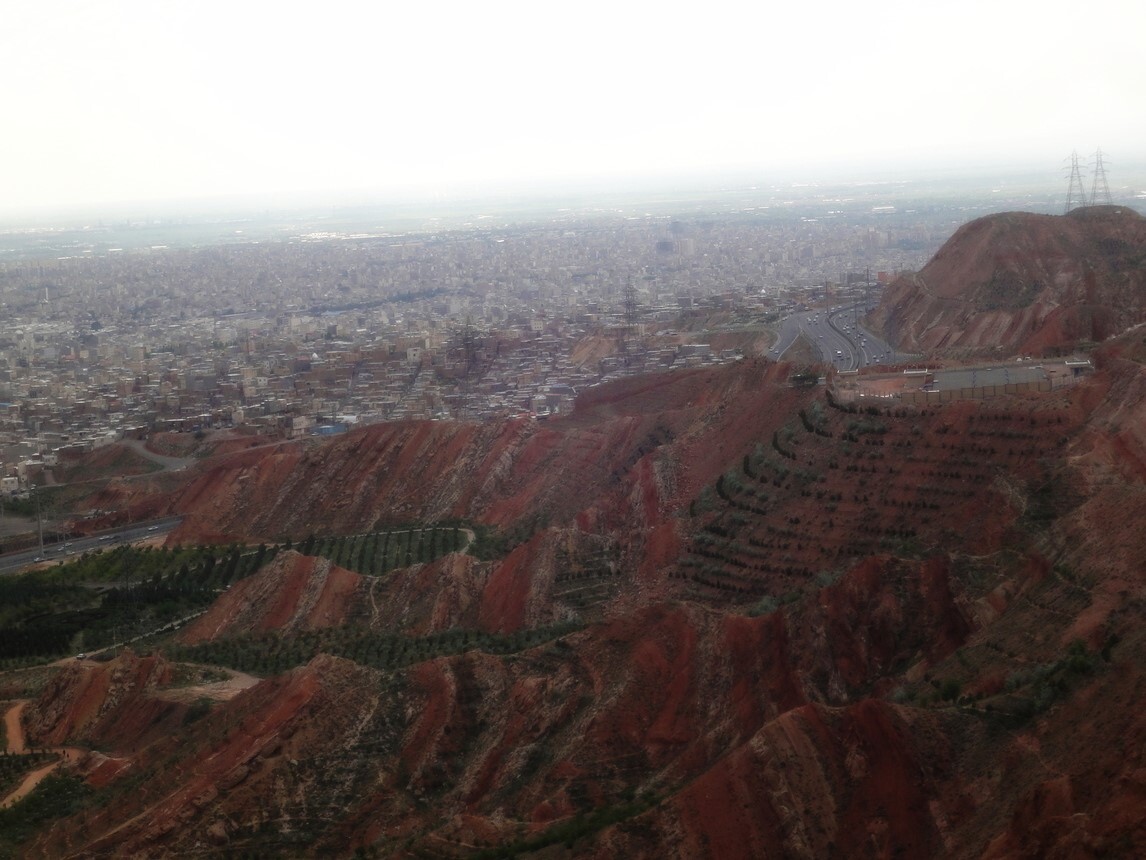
[[776, 628], [1021, 283]]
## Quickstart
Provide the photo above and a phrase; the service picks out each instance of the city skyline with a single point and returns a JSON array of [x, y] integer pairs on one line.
[[133, 103]]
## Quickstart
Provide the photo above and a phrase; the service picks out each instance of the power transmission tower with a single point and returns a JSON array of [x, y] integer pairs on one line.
[[467, 340], [630, 303], [1075, 191], [470, 346], [1099, 190]]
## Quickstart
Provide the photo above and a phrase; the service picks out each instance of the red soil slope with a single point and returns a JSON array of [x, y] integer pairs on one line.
[[293, 592], [296, 592], [1024, 283], [912, 633], [95, 702], [521, 473]]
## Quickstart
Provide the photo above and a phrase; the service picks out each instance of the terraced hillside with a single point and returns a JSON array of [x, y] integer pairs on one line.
[[753, 624], [838, 484]]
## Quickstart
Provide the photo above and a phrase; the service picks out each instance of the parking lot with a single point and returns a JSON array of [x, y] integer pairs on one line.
[[978, 377]]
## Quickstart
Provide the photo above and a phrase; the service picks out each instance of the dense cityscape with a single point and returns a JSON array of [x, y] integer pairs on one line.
[[325, 325]]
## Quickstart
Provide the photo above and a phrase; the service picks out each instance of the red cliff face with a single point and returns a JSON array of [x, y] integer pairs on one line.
[[815, 782], [242, 755], [605, 463], [1023, 283], [293, 592], [106, 702], [381, 474]]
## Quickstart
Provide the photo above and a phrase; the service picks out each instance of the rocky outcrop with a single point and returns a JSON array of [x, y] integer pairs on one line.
[[97, 702], [294, 592], [815, 782]]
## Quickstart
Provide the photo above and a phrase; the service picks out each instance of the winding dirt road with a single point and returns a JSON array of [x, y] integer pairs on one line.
[[218, 691], [17, 744]]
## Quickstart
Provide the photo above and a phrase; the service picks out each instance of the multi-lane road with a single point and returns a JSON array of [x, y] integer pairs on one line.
[[837, 334], [14, 561]]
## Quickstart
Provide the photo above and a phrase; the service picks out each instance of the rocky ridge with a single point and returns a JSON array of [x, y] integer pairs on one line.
[[1017, 283]]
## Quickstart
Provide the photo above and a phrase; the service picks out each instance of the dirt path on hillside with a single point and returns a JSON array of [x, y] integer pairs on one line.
[[14, 728], [169, 464], [17, 744], [219, 691]]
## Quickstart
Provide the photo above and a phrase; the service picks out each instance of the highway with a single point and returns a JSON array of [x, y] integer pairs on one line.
[[840, 339], [13, 562]]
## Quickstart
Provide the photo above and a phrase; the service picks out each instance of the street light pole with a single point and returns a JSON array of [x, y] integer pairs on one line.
[[39, 522]]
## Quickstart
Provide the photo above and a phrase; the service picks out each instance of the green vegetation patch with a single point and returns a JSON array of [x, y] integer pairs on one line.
[[15, 766], [272, 653], [1007, 290], [58, 796], [1032, 690], [379, 552], [112, 596]]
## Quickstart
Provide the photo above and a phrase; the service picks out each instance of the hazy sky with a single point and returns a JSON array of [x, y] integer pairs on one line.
[[126, 100]]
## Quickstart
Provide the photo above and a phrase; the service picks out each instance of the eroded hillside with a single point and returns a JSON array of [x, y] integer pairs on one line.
[[727, 618], [1020, 283]]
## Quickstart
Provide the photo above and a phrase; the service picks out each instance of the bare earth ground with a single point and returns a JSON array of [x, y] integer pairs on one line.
[[219, 691], [10, 525]]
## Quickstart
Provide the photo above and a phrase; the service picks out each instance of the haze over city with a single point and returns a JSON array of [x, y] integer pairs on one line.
[[134, 103]]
